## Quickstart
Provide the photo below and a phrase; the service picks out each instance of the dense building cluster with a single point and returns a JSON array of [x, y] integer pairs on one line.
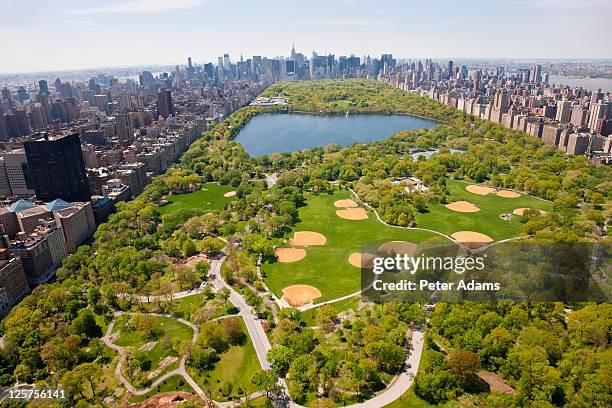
[[576, 120], [70, 154]]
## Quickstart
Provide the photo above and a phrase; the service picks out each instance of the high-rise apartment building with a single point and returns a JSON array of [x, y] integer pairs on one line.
[[58, 169], [600, 110], [164, 103], [13, 281], [564, 112], [18, 173]]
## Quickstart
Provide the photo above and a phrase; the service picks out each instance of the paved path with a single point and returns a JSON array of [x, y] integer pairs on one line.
[[178, 371], [402, 382], [397, 226], [399, 385]]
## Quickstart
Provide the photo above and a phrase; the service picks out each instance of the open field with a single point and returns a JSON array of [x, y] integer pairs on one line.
[[184, 307], [486, 221], [210, 197], [309, 316], [128, 337], [326, 267], [236, 367], [174, 383]]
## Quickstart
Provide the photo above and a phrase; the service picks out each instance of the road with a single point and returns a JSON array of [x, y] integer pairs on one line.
[[399, 385], [402, 382], [258, 336]]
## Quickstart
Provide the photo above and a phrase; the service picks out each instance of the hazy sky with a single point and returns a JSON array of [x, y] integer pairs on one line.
[[45, 35]]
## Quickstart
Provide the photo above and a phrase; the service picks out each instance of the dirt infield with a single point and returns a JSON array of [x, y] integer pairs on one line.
[[353, 214], [361, 260], [307, 238], [298, 295], [462, 206], [345, 204], [290, 254], [521, 211], [508, 194], [480, 190], [399, 247], [229, 194], [471, 239]]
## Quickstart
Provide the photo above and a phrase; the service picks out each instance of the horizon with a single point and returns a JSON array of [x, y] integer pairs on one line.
[[68, 35], [517, 60]]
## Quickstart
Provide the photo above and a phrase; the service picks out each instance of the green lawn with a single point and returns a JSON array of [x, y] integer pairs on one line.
[[210, 197], [257, 402], [327, 267], [236, 366], [309, 316], [409, 399], [133, 338], [185, 306], [174, 383], [487, 220]]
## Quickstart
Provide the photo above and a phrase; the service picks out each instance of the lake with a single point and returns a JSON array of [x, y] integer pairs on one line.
[[273, 133], [593, 84]]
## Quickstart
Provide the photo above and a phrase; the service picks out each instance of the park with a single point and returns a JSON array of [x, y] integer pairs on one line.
[[327, 268]]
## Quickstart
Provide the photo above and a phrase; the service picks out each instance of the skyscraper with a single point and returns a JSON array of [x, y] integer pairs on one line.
[[164, 103], [564, 113], [536, 73], [43, 86], [600, 110], [58, 169]]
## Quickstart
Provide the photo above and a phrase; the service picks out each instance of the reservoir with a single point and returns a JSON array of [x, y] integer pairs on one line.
[[273, 133]]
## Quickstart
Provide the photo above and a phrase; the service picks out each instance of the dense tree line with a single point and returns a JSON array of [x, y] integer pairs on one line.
[[551, 356]]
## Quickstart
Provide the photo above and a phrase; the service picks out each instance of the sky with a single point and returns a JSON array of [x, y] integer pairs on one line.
[[49, 35]]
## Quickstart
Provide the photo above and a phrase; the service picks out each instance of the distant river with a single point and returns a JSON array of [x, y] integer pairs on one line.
[[587, 83], [273, 133]]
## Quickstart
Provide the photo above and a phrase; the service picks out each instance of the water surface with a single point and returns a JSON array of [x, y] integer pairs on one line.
[[273, 133], [593, 84]]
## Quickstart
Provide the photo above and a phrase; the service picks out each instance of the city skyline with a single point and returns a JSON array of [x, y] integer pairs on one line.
[[55, 36]]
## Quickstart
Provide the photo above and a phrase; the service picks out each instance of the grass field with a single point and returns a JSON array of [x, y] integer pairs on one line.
[[309, 316], [236, 367], [185, 306], [210, 197], [174, 383], [409, 399], [326, 267], [486, 221], [132, 338]]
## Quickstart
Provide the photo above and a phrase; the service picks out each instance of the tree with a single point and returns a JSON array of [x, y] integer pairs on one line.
[[464, 364], [389, 356], [212, 336], [72, 381], [232, 330], [326, 318], [268, 382], [280, 357], [90, 372], [85, 324], [210, 245], [202, 268], [437, 386]]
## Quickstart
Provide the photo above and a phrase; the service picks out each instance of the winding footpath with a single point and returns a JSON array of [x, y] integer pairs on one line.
[[181, 371], [261, 343], [398, 386]]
